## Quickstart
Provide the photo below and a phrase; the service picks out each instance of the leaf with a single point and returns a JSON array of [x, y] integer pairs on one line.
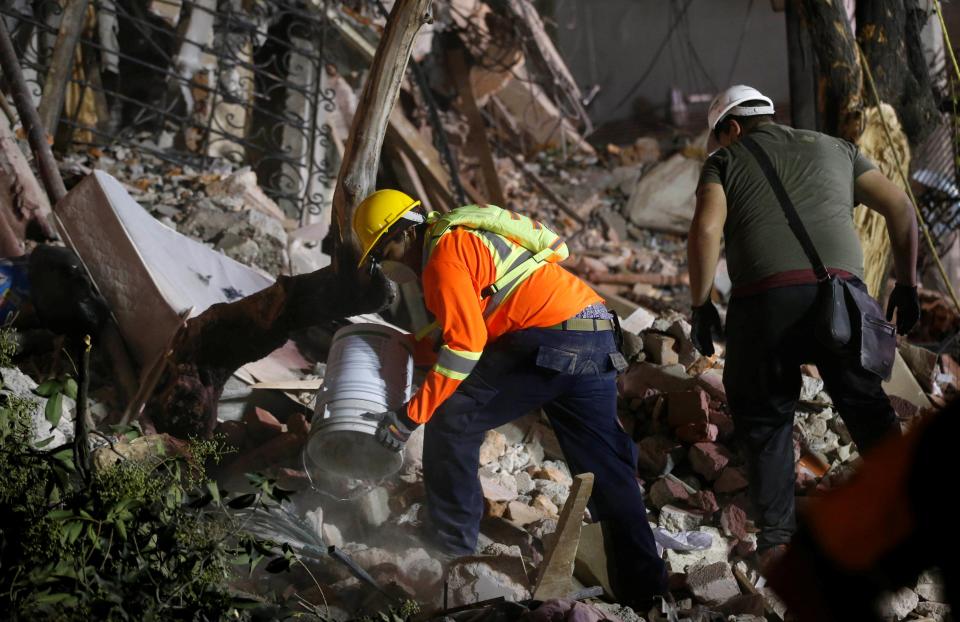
[[243, 501], [72, 531], [214, 491], [56, 597], [59, 514], [48, 388], [280, 564], [43, 443], [122, 529], [54, 410], [70, 388]]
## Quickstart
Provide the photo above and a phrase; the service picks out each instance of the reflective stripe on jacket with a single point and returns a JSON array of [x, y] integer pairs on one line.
[[461, 266]]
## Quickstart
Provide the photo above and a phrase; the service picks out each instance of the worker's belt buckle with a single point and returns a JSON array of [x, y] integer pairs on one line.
[[583, 324]]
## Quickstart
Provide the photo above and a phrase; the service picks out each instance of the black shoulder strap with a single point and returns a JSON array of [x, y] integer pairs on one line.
[[793, 219]]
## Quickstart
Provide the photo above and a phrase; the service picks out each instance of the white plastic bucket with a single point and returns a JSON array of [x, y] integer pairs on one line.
[[369, 370]]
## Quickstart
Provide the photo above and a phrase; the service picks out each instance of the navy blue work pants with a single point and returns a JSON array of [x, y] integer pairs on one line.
[[572, 376]]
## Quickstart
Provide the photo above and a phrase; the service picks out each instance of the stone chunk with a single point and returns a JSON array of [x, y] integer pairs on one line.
[[498, 486], [708, 459], [676, 519], [477, 578], [657, 455], [731, 480], [698, 433], [659, 349], [898, 604], [688, 407], [494, 446], [666, 491], [522, 514], [713, 584]]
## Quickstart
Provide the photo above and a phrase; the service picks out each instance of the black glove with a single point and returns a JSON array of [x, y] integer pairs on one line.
[[905, 300], [394, 428], [705, 328]]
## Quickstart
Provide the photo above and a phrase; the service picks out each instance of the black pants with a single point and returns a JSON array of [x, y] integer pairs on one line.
[[769, 335]]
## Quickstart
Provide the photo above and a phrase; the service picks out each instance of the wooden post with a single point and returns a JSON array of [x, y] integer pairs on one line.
[[556, 571], [361, 158], [803, 69], [61, 63], [36, 134], [477, 139]]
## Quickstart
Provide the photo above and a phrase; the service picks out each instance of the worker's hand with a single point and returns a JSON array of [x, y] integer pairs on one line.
[[393, 428], [906, 302], [705, 328]]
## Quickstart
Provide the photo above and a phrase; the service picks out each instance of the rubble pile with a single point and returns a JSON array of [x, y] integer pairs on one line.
[[624, 210]]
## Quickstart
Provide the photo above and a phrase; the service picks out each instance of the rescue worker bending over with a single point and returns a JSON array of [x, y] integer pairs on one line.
[[770, 321], [515, 332]]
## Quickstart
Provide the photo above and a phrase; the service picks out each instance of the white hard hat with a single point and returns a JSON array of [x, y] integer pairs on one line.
[[728, 102]]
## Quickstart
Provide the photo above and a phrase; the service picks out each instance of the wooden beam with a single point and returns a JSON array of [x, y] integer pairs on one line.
[[556, 572], [477, 139], [361, 158], [61, 63]]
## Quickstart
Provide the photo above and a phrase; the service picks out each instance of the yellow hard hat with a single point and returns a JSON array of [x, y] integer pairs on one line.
[[376, 214]]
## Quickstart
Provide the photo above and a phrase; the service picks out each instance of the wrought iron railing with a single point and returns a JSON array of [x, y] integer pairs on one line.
[[195, 80]]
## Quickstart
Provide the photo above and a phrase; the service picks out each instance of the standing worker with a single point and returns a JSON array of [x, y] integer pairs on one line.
[[515, 332], [771, 317]]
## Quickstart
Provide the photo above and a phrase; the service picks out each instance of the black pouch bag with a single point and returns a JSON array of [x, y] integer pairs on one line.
[[847, 317]]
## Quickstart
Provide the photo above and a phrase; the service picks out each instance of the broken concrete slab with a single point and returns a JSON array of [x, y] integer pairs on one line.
[[713, 584], [642, 377], [922, 362], [903, 384], [675, 519], [476, 578]]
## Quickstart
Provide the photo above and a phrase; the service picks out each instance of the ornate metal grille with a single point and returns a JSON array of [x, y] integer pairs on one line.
[[195, 80]]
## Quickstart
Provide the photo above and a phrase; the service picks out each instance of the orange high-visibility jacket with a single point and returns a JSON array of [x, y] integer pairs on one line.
[[460, 267]]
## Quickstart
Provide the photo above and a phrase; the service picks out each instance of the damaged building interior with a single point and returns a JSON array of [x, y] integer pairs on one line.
[[479, 310]]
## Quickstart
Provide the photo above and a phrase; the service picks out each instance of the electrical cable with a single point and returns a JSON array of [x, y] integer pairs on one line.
[[653, 62]]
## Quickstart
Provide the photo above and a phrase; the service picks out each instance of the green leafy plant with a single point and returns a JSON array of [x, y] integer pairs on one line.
[[146, 539]]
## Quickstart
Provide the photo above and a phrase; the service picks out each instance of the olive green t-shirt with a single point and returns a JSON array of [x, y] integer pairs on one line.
[[817, 171]]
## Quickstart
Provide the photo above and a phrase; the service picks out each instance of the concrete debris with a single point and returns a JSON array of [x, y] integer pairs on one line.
[[898, 604], [930, 587], [686, 561], [473, 579], [624, 211], [493, 447], [677, 519], [708, 459], [713, 584], [658, 455]]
